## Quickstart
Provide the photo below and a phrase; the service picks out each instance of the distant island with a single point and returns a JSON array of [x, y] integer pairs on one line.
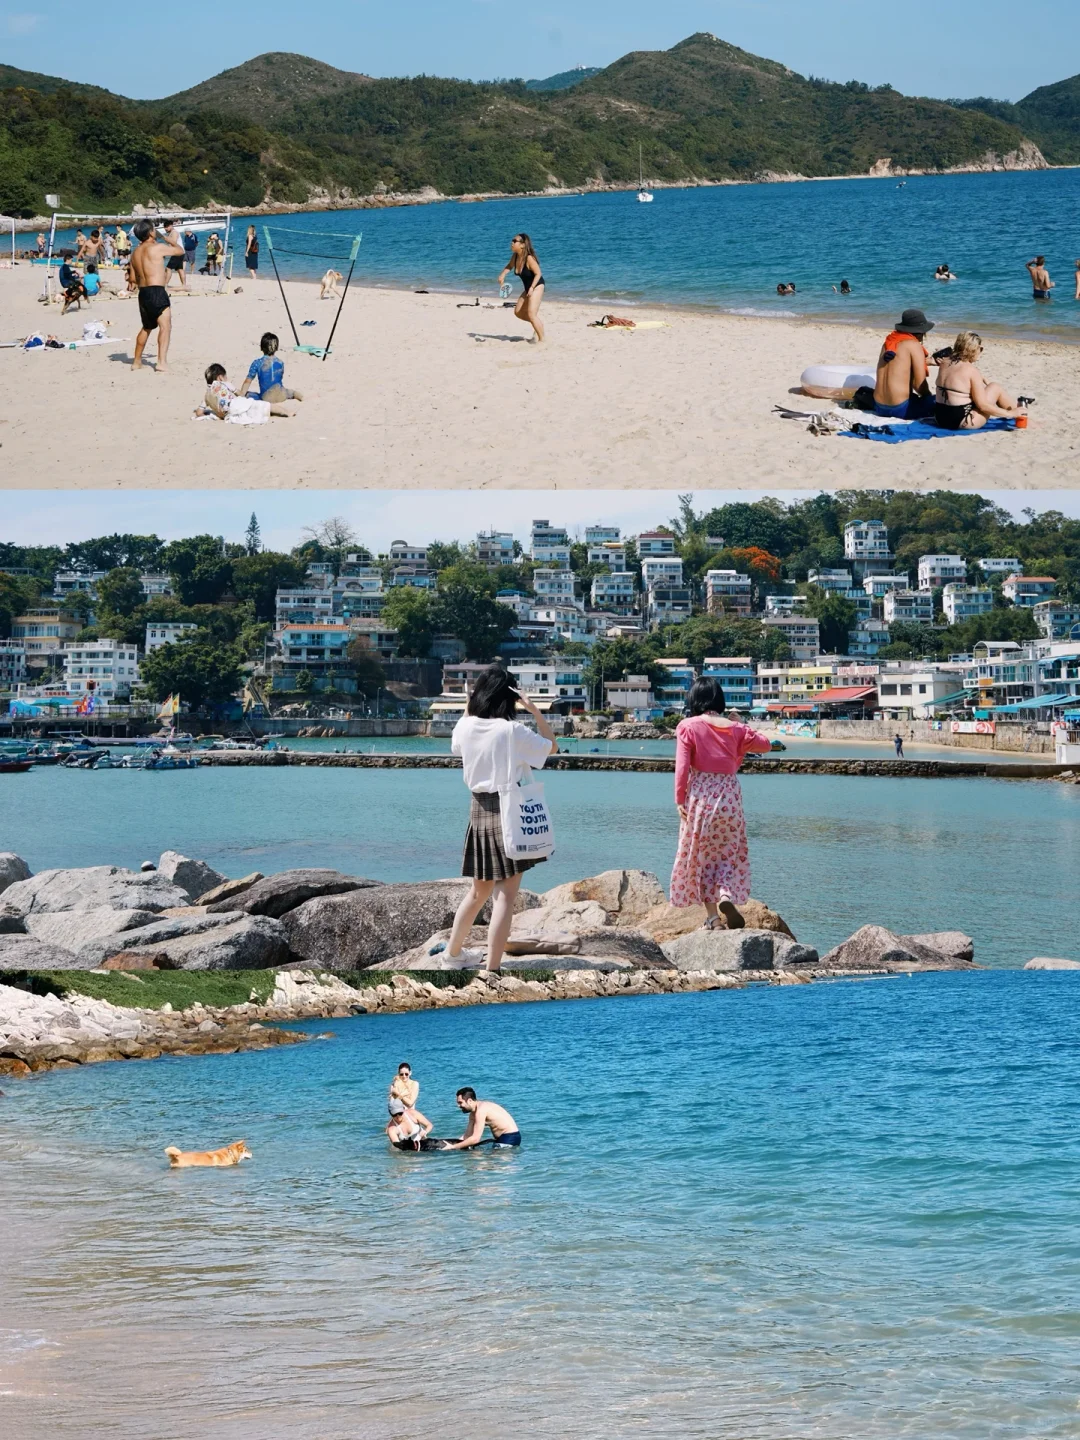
[[286, 129]]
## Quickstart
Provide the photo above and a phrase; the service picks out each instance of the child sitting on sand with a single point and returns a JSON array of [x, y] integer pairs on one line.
[[269, 373], [222, 401]]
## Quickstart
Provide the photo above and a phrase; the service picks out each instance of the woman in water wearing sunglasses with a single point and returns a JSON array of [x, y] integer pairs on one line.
[[526, 267]]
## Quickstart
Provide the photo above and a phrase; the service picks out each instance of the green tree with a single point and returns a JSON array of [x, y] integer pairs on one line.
[[612, 659], [367, 668], [704, 635], [258, 575], [120, 592], [114, 552], [441, 555], [410, 613], [201, 572], [474, 618], [199, 669], [305, 682], [835, 617], [253, 536], [14, 597]]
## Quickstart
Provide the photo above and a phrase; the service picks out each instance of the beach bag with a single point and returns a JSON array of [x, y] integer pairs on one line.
[[526, 821], [863, 399]]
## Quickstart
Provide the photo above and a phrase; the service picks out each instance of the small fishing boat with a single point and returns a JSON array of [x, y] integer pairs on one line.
[[644, 196], [15, 767]]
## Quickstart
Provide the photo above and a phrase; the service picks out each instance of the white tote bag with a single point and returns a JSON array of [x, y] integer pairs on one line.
[[526, 821]]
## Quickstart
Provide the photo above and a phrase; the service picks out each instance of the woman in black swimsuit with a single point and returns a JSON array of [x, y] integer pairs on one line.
[[526, 267], [964, 400]]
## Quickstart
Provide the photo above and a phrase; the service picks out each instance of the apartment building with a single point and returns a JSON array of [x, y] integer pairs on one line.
[[994, 566], [414, 577], [1057, 619], [167, 632], [630, 696], [614, 591], [878, 586], [554, 585], [304, 605], [607, 552], [556, 685], [76, 582], [914, 692], [1027, 590], [735, 675], [829, 579], [784, 604], [550, 545], [801, 633], [495, 548], [567, 622], [868, 637], [938, 570], [655, 544], [668, 605], [403, 553], [317, 647], [907, 607], [671, 692], [999, 672], [155, 584], [109, 668], [866, 540], [602, 534], [658, 570], [12, 664], [726, 591], [963, 602], [43, 633]]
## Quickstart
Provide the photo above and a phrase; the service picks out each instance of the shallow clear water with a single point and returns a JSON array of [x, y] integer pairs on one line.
[[996, 858], [827, 1211], [727, 247]]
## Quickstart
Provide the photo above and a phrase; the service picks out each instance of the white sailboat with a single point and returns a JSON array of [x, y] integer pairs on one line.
[[644, 196]]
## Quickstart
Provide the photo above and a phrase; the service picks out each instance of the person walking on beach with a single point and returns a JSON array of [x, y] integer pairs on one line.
[[147, 271], [902, 391], [175, 263], [251, 252], [494, 747], [525, 265], [1041, 284], [712, 864], [485, 1114], [898, 746]]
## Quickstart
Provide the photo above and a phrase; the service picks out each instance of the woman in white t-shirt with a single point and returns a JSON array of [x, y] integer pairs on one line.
[[493, 747]]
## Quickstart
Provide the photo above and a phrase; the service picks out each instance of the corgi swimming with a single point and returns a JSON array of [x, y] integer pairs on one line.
[[227, 1155]]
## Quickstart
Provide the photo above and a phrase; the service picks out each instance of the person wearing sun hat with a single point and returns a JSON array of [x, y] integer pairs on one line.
[[903, 390]]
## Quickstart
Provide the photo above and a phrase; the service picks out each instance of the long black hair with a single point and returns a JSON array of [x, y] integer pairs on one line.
[[493, 695], [706, 697]]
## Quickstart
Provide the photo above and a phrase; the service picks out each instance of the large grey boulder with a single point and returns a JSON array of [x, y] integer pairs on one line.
[[277, 894], [213, 942], [953, 943], [875, 948], [228, 888], [601, 948], [364, 927], [732, 950], [1052, 962], [23, 952], [12, 869], [194, 877], [155, 937], [72, 929], [52, 891]]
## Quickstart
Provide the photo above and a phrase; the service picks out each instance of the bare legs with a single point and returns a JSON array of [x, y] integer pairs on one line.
[[993, 397], [502, 917], [164, 332], [528, 309]]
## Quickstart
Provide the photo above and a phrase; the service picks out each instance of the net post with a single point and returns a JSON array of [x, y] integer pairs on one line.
[[281, 287], [341, 302]]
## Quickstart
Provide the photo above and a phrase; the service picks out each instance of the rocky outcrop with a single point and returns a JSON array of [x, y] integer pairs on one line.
[[277, 894], [1051, 962], [12, 869], [734, 950], [72, 929], [364, 927], [228, 888], [194, 877], [953, 943], [23, 952], [52, 891], [875, 948], [208, 942], [585, 948]]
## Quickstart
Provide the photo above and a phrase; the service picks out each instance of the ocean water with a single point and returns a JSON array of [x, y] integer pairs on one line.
[[727, 247], [817, 1213], [995, 858]]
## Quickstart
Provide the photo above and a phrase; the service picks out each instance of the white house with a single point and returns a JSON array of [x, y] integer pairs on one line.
[[554, 585], [909, 607], [878, 586], [607, 552], [601, 534], [614, 591], [305, 604], [568, 621], [668, 605], [801, 632], [994, 566], [550, 545], [655, 544], [167, 632], [402, 553], [962, 602], [107, 667], [935, 570], [784, 604], [155, 584], [826, 579], [76, 582], [1027, 590], [632, 695], [659, 571], [727, 590], [915, 692], [868, 637], [550, 685], [866, 540], [12, 664], [1057, 619]]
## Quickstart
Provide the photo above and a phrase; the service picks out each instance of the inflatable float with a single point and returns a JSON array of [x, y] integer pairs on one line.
[[836, 382]]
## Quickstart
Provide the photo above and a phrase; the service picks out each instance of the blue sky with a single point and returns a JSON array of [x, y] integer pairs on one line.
[[32, 517], [965, 48]]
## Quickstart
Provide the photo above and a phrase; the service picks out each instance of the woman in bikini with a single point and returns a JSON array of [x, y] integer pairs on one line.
[[525, 265], [963, 400]]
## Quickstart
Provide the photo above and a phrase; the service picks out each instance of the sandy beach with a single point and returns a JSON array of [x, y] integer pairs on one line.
[[422, 393]]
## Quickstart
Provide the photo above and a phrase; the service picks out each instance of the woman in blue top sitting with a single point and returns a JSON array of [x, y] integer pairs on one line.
[[268, 372]]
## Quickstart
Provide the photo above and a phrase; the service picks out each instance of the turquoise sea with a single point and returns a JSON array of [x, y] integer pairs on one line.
[[996, 858], [726, 248], [830, 1212]]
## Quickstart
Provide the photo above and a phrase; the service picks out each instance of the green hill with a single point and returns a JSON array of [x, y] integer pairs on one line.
[[284, 125], [1051, 116], [565, 80]]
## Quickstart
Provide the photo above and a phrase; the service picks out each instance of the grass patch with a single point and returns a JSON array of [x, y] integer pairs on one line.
[[152, 988]]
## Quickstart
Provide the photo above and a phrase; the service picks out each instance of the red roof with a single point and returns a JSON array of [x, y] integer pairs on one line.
[[791, 709], [840, 694]]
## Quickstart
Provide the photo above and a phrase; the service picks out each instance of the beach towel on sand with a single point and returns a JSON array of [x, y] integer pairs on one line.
[[917, 430]]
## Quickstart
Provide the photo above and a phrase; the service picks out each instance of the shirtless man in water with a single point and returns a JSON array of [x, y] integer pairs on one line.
[[902, 391], [485, 1114], [147, 271], [1041, 284]]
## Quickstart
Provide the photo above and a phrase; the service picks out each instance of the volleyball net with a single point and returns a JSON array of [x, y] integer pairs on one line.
[[327, 245]]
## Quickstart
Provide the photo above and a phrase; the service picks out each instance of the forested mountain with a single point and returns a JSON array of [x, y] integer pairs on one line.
[[565, 80], [1049, 115], [285, 127]]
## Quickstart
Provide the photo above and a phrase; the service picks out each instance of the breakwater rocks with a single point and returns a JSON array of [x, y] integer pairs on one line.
[[657, 764]]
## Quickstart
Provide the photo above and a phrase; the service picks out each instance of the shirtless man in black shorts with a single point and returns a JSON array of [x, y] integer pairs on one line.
[[147, 269]]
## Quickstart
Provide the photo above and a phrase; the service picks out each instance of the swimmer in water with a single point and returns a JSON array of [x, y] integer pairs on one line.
[[485, 1114], [1041, 284], [403, 1087], [407, 1129]]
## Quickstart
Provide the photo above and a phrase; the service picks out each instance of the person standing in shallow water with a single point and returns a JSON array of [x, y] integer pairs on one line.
[[525, 265], [712, 864]]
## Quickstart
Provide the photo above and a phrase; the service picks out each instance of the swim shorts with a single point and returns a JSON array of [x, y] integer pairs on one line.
[[508, 1137], [153, 302], [175, 262], [919, 407], [1041, 294]]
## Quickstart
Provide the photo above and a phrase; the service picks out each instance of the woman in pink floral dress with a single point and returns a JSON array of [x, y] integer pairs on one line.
[[712, 866]]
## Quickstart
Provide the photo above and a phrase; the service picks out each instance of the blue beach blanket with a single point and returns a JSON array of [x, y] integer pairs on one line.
[[918, 430]]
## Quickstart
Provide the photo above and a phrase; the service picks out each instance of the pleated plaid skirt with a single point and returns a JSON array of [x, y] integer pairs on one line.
[[484, 857]]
